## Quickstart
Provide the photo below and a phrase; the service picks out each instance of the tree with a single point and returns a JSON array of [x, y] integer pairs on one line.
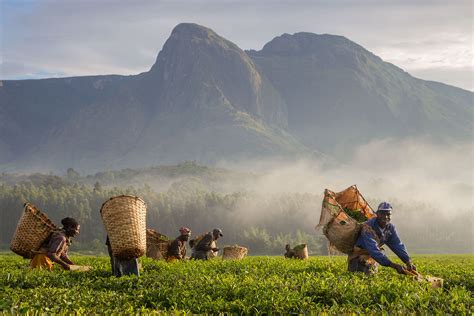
[[72, 174]]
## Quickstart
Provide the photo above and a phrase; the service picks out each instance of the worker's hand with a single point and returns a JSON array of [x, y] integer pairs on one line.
[[411, 266], [400, 269]]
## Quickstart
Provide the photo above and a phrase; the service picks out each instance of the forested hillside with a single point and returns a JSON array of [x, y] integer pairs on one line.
[[190, 195]]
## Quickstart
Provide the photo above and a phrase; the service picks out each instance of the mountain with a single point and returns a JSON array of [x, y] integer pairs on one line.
[[340, 94], [207, 100], [202, 100]]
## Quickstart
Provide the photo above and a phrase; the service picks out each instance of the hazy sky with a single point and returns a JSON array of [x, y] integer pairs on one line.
[[430, 39]]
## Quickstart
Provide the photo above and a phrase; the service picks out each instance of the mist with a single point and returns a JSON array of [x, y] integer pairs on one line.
[[429, 185], [266, 203], [405, 170]]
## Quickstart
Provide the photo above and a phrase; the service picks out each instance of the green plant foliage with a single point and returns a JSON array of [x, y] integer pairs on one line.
[[255, 285], [299, 247], [356, 214]]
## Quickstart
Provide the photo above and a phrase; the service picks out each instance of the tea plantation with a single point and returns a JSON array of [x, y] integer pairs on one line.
[[254, 285]]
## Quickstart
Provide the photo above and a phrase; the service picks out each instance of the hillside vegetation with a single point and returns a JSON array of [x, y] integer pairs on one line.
[[203, 198]]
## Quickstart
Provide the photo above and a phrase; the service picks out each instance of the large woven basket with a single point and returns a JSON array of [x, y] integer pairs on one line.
[[234, 252], [301, 251], [341, 229], [157, 245], [342, 232], [32, 229], [124, 219]]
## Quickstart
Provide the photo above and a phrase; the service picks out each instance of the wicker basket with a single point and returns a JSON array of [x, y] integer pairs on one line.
[[156, 245], [124, 219], [32, 229], [301, 251], [342, 232], [341, 229], [234, 252]]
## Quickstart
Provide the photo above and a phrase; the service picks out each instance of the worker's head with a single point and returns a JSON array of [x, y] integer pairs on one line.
[[287, 247], [71, 226], [384, 214], [185, 233], [216, 233]]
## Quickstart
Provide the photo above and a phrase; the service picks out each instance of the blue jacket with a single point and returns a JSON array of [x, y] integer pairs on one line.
[[387, 236]]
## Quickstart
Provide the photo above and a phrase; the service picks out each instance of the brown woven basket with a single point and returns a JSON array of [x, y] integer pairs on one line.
[[32, 229], [124, 219], [342, 232], [234, 252], [301, 251], [156, 245], [341, 229]]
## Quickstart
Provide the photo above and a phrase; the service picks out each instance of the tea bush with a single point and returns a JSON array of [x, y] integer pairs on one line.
[[254, 285]]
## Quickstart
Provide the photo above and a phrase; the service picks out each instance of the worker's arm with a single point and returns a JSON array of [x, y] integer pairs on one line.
[[173, 250], [54, 247], [64, 257], [370, 244], [396, 245]]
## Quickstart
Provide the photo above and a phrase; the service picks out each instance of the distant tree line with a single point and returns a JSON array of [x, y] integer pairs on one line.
[[263, 223]]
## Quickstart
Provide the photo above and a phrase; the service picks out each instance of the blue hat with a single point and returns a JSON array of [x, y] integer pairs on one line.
[[384, 206]]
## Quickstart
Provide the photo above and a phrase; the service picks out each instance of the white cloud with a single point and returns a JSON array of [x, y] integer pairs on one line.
[[102, 37]]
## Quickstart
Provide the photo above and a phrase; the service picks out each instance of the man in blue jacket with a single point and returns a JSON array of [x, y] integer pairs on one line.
[[375, 233]]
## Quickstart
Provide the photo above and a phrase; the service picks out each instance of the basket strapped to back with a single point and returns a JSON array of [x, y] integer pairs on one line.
[[157, 245], [124, 219], [32, 229], [301, 251], [193, 242], [341, 229]]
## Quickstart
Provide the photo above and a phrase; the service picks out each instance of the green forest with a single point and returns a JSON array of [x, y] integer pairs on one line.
[[193, 196]]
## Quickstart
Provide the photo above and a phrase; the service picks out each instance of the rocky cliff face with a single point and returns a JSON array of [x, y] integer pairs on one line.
[[197, 66], [207, 100], [336, 88], [202, 100]]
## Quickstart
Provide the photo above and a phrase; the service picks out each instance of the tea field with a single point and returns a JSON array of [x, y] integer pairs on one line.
[[255, 285]]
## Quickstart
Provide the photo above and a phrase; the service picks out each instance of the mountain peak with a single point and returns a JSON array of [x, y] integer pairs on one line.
[[199, 59], [207, 100], [308, 43], [187, 39], [192, 30]]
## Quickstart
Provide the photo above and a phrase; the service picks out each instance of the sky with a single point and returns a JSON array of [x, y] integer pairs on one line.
[[430, 39]]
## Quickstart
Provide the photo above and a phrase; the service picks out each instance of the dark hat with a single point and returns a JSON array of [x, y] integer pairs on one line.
[[217, 231], [69, 222]]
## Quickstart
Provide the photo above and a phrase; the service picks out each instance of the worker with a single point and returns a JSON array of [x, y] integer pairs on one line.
[[290, 253], [205, 248], [122, 266], [55, 248], [376, 232], [177, 248]]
